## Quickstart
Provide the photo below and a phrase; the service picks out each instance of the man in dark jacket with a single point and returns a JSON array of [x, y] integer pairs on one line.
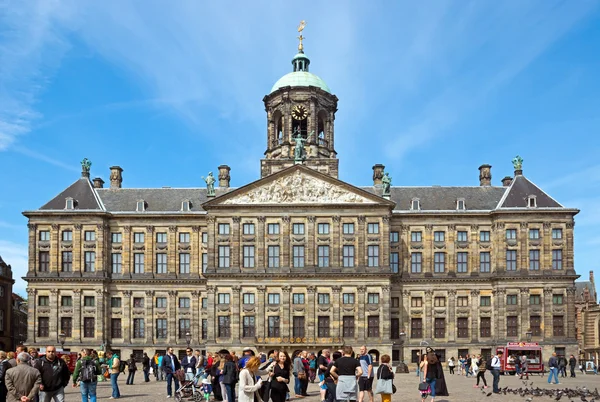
[[55, 376], [170, 364], [572, 364], [188, 364], [146, 367], [553, 366]]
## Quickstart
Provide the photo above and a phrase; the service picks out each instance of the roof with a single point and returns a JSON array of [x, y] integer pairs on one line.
[[300, 79], [519, 191], [81, 191], [580, 288], [156, 199]]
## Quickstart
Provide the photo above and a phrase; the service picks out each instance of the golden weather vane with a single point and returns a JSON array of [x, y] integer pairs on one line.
[[301, 38]]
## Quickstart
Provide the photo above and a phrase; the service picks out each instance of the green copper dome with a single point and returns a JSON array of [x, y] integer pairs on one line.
[[300, 77]]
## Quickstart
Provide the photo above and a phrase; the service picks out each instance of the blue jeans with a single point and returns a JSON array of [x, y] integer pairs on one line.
[[115, 386], [169, 389], [88, 389], [553, 373], [146, 377], [431, 382], [230, 388], [297, 385], [496, 382], [130, 377], [418, 369]]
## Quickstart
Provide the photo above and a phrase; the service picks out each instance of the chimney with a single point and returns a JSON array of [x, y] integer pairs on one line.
[[98, 182], [485, 175], [507, 181], [116, 177], [378, 174], [224, 177]]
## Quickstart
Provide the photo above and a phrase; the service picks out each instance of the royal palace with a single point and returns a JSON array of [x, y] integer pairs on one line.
[[300, 259]]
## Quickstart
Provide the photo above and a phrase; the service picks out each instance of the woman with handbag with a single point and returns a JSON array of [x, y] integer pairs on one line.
[[249, 388], [385, 379], [280, 377]]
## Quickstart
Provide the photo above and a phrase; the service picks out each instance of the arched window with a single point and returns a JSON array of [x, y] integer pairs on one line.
[[278, 118], [321, 119]]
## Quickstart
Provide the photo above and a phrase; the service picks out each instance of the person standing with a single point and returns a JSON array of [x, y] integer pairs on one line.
[[553, 366], [22, 382], [322, 366], [385, 373], [562, 366], [329, 381], [55, 376], [114, 363], [249, 386], [365, 382], [86, 372], [468, 363], [131, 369], [524, 368], [280, 377], [480, 372], [188, 364], [229, 376], [347, 370], [146, 367], [161, 371], [305, 365], [170, 364], [572, 364], [4, 366], [496, 360], [451, 365]]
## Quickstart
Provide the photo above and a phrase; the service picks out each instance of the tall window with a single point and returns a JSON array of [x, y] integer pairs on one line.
[[248, 298], [462, 262], [484, 236], [89, 330], [534, 260], [512, 325], [161, 263], [463, 327], [348, 256], [298, 327], [248, 228], [298, 298], [67, 261], [535, 323], [138, 263], [323, 228], [273, 256], [485, 327], [224, 330], [273, 228], [44, 261], [557, 234], [462, 236], [139, 329], [511, 260], [204, 262], [223, 228], [248, 327], [138, 237], [161, 328], [204, 328], [204, 237], [394, 237], [184, 237], [416, 236], [484, 261], [67, 235], [373, 256], [323, 256], [323, 326], [557, 259], [116, 237], [439, 262], [44, 235], [395, 328], [184, 263], [439, 328], [224, 256], [43, 327], [373, 326], [184, 327], [298, 256], [116, 263], [115, 328], [273, 329], [298, 228], [348, 327], [415, 263], [373, 228], [416, 328], [558, 325], [273, 298], [394, 262], [511, 234], [248, 256], [348, 228]]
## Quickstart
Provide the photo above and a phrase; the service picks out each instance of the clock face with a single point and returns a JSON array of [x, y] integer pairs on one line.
[[299, 112]]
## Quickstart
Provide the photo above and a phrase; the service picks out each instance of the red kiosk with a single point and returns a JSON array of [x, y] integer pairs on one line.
[[514, 350]]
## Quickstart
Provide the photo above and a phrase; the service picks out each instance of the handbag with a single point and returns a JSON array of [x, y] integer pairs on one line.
[[423, 387], [302, 375], [384, 386], [106, 373]]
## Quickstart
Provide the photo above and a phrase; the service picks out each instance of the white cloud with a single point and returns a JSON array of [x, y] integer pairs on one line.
[[15, 255]]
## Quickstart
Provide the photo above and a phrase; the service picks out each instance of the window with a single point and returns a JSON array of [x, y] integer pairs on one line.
[[66, 326], [185, 205], [558, 325], [273, 298], [373, 326], [557, 234], [460, 204], [139, 328], [395, 330], [462, 262], [439, 236], [67, 261], [394, 237], [184, 237], [395, 302], [531, 201], [416, 302], [298, 327], [161, 237], [511, 234], [223, 228], [298, 256], [44, 260], [273, 228], [484, 262], [348, 256], [439, 328], [298, 228], [416, 328], [416, 236], [273, 256], [535, 323], [439, 262], [89, 235], [298, 298], [44, 235], [512, 325], [248, 256], [485, 327], [485, 301], [204, 328], [184, 302], [323, 256], [138, 302], [415, 263], [535, 299], [89, 301], [204, 302], [323, 298], [140, 206], [89, 327], [224, 256], [138, 237], [204, 237], [415, 205], [43, 300], [115, 302], [373, 228], [394, 262], [462, 236], [372, 256], [184, 263], [248, 298], [248, 228], [556, 259], [348, 298], [67, 235], [116, 237], [43, 327], [273, 326], [534, 234], [348, 228], [348, 327], [204, 262], [66, 301], [161, 302], [323, 326], [484, 236], [373, 298], [323, 228], [161, 263], [223, 298], [511, 260], [138, 263], [439, 302], [534, 260], [463, 327], [116, 263], [248, 326], [462, 301], [557, 299], [512, 300], [184, 327], [161, 328]]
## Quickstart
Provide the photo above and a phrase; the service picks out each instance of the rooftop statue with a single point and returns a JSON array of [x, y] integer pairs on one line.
[[518, 162], [86, 164], [386, 180], [210, 184]]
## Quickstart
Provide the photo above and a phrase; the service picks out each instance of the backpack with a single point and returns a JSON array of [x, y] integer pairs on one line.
[[122, 365], [88, 371], [488, 364]]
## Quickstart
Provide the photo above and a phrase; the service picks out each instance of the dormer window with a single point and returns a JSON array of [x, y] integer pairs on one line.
[[185, 205], [532, 201], [460, 204], [415, 204], [70, 203], [141, 206]]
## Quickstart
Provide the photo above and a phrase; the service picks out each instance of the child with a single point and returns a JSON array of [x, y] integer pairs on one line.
[[206, 388]]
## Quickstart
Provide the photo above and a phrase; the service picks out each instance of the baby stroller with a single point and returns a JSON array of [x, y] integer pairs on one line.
[[188, 388]]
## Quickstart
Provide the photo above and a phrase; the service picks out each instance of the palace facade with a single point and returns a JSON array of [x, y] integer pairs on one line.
[[300, 259]]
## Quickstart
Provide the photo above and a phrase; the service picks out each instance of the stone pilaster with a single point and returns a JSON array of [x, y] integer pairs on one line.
[[311, 246], [235, 244], [286, 258], [213, 257], [55, 249], [384, 248], [547, 314], [31, 316], [451, 249], [571, 314], [236, 332], [523, 257], [196, 321], [32, 261], [428, 253], [149, 250], [336, 327], [474, 249], [261, 260], [126, 255], [172, 255], [405, 312], [77, 320], [285, 319], [211, 311], [474, 316], [311, 312], [195, 253], [101, 246], [149, 319], [524, 313], [261, 316], [385, 325], [569, 258], [54, 315], [101, 321], [78, 253], [546, 249], [498, 237], [172, 322], [361, 249], [360, 323], [336, 251], [428, 321], [451, 315], [500, 314]]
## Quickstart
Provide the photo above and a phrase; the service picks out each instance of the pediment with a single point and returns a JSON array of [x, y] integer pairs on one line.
[[298, 185]]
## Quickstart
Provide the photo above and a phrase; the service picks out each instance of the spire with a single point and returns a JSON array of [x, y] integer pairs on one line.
[[300, 61]]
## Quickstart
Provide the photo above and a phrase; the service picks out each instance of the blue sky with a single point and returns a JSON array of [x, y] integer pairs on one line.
[[170, 90]]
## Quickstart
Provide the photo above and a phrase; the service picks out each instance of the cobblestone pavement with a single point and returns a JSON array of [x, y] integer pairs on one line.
[[460, 388]]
